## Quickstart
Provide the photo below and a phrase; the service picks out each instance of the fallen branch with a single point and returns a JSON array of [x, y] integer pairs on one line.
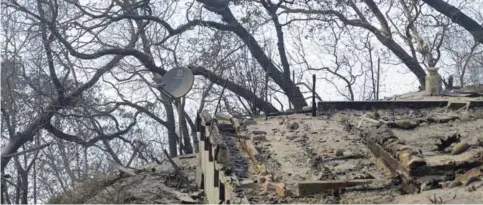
[[27, 151], [121, 168], [401, 124], [368, 119], [184, 198], [176, 167]]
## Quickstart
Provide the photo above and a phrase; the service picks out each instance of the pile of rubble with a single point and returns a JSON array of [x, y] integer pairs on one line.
[[151, 184]]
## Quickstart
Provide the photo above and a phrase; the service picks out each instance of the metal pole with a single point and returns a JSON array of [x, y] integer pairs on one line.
[[293, 80], [266, 96], [219, 98], [378, 77], [216, 108], [314, 105], [180, 120]]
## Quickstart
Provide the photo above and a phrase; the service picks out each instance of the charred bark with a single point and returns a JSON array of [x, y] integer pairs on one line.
[[382, 36], [288, 86], [458, 17], [26, 135], [235, 88], [172, 136]]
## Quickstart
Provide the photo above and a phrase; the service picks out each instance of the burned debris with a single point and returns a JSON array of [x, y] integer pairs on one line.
[[445, 143], [356, 156]]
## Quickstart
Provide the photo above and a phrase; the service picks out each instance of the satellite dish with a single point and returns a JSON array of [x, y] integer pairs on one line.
[[178, 81]]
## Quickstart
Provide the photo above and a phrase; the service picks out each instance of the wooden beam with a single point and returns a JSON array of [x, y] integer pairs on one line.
[[368, 105], [314, 187], [393, 165]]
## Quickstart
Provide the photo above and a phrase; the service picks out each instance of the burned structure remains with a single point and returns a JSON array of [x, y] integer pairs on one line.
[[424, 147]]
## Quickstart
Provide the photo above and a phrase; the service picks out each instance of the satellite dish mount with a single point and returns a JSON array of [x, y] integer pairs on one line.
[[177, 82]]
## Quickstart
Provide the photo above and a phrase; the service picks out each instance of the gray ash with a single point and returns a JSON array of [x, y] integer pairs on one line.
[[236, 162]]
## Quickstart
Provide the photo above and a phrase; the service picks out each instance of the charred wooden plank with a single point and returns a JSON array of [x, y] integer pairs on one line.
[[314, 187], [273, 114], [228, 190], [393, 165], [447, 164], [406, 155], [369, 105]]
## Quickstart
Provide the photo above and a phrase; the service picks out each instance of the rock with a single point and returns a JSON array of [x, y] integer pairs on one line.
[[197, 194], [291, 137], [471, 179], [280, 189], [259, 132], [424, 187], [465, 117], [250, 122], [223, 116], [259, 138], [455, 183], [442, 118], [444, 184], [293, 126], [416, 162], [460, 148], [281, 122], [247, 184], [339, 152], [404, 124], [299, 140], [306, 108]]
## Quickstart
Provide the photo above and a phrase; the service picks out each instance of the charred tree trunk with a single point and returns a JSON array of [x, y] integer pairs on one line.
[[25, 187], [26, 135], [5, 197], [22, 183], [237, 89], [63, 154], [187, 148], [172, 136], [288, 86], [193, 133], [20, 138], [458, 17]]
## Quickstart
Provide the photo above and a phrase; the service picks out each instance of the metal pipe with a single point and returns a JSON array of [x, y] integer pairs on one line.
[[314, 105]]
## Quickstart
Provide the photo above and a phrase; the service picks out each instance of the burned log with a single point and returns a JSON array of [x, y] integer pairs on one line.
[[407, 156]]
